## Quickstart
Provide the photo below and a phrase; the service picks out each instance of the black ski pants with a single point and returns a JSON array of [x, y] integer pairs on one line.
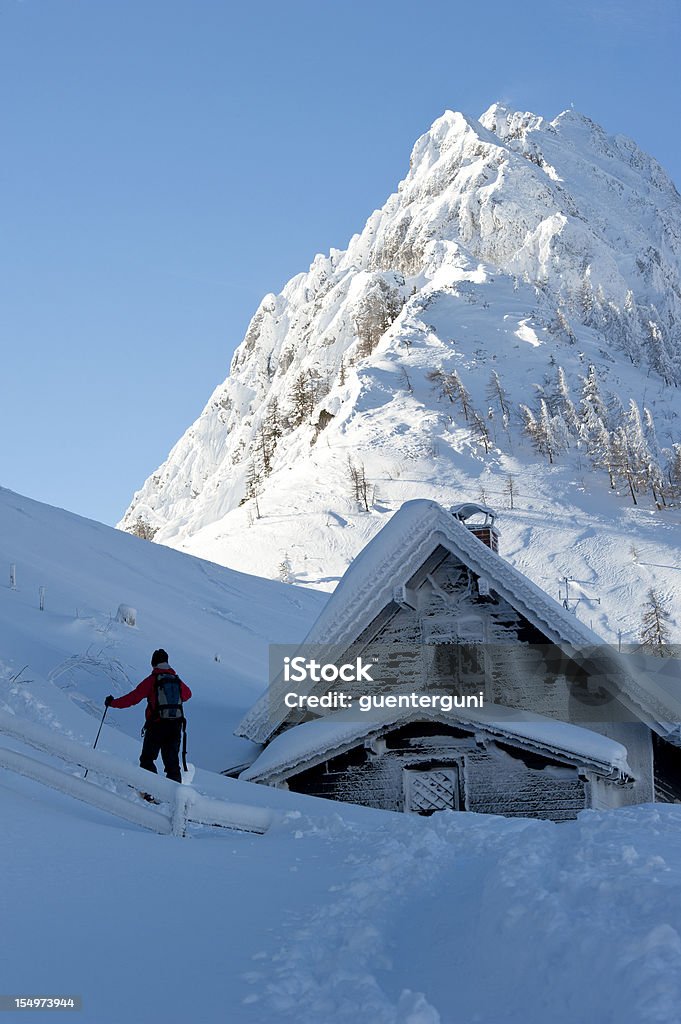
[[163, 738]]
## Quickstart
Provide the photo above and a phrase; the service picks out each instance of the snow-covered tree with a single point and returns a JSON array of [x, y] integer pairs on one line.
[[510, 490], [254, 486], [548, 433], [285, 571], [615, 413], [441, 383], [560, 326], [597, 440], [659, 357], [653, 471], [450, 386], [496, 395], [461, 396], [301, 399], [644, 467], [358, 483], [267, 435], [378, 309], [649, 432], [591, 395], [673, 472], [143, 528], [586, 301], [654, 634], [623, 460], [562, 401], [628, 329], [480, 431]]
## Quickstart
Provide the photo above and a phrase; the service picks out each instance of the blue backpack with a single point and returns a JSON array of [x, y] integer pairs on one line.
[[169, 697]]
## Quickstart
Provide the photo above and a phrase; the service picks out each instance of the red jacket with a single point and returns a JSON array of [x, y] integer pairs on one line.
[[147, 689]]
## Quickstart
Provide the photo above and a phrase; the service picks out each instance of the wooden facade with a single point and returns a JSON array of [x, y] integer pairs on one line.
[[495, 778]]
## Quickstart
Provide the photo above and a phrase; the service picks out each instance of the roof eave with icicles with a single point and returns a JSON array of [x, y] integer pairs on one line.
[[335, 734]]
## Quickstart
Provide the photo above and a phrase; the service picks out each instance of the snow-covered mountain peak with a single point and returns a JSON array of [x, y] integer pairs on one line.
[[506, 123], [527, 248], [445, 132]]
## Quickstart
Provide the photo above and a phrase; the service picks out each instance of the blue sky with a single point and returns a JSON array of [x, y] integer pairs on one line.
[[168, 162]]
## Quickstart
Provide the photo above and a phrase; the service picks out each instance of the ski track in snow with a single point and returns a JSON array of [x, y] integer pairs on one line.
[[487, 920]]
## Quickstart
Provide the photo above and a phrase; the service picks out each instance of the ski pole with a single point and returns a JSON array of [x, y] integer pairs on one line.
[[97, 736]]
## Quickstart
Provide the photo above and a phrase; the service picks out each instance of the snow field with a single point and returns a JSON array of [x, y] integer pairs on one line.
[[482, 920], [338, 917]]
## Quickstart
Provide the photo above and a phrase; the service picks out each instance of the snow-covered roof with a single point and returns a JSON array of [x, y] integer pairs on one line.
[[312, 742]]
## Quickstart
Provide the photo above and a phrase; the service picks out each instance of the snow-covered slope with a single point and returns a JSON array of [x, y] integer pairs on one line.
[[530, 249], [57, 665]]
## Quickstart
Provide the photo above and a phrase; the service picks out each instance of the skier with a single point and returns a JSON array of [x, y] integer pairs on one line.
[[164, 716]]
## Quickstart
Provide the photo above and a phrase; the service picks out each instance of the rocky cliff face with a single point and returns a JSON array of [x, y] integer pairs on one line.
[[524, 272]]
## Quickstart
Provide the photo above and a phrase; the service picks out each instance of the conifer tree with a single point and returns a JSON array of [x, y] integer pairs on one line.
[[622, 461], [301, 398], [254, 486], [649, 432], [548, 433], [591, 394], [614, 410], [143, 529], [598, 442], [285, 572], [497, 396], [510, 491], [674, 472], [654, 634], [461, 396], [563, 402], [438, 379], [659, 357], [450, 386], [359, 483], [630, 329], [267, 435], [586, 301], [376, 312], [480, 431], [562, 327]]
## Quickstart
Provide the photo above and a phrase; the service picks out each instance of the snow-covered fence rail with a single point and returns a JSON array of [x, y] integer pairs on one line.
[[81, 789], [185, 803]]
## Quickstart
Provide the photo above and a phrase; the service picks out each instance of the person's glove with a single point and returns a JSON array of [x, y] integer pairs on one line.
[[109, 700]]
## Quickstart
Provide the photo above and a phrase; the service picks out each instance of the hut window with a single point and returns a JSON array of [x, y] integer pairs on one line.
[[436, 789]]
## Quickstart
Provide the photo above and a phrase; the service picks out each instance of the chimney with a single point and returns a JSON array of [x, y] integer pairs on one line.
[[479, 519]]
